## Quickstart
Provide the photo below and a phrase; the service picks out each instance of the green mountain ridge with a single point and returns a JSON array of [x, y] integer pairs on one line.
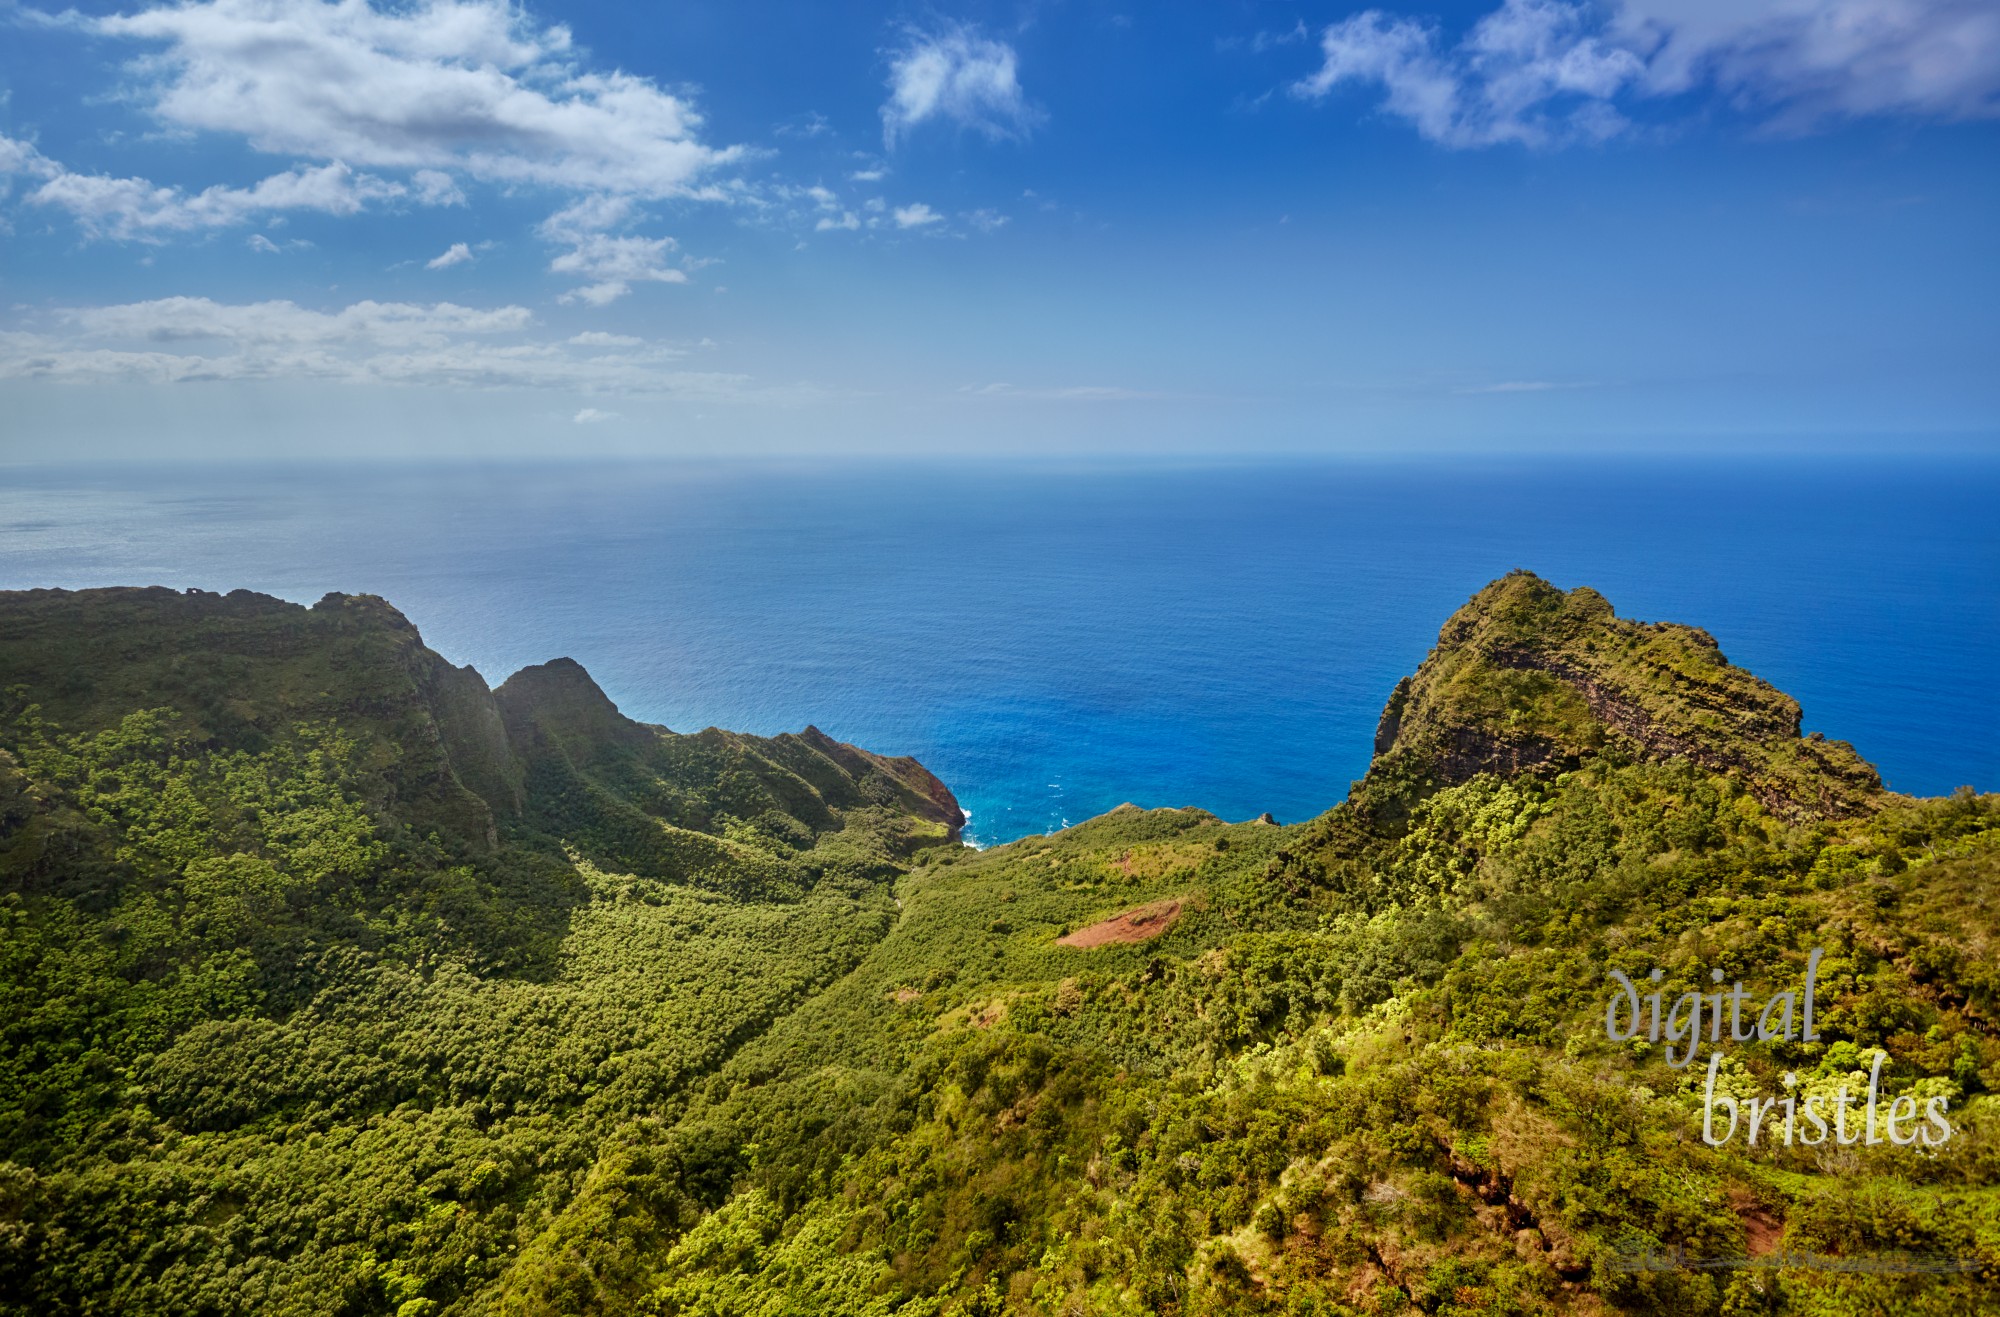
[[337, 983]]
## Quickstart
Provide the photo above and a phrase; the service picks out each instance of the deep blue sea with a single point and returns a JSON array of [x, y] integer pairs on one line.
[[1053, 640]]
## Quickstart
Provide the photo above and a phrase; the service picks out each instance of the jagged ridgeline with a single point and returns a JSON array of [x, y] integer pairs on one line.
[[332, 982], [430, 750]]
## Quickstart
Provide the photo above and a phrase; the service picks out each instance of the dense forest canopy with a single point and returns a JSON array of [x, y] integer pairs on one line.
[[332, 981]]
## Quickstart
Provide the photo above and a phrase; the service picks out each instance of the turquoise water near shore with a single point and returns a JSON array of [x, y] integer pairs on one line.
[[1053, 640]]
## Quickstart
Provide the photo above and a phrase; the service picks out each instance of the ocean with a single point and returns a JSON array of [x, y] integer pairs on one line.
[[1054, 639]]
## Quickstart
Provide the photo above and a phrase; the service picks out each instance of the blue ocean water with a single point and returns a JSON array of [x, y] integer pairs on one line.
[[1053, 640]]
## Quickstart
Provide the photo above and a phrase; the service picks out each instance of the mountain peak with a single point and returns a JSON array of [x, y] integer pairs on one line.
[[559, 701], [1527, 677]]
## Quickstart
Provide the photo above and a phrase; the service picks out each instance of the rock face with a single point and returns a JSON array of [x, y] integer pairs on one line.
[[1529, 678]]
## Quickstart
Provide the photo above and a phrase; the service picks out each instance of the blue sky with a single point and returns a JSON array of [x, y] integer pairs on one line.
[[286, 227]]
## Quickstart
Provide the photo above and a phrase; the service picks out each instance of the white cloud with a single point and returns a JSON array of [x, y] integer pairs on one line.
[[466, 85], [594, 338], [1526, 73], [610, 263], [957, 75], [393, 324], [260, 243], [591, 415], [17, 157], [139, 208], [614, 264], [915, 217], [1547, 72], [1812, 60], [434, 188], [179, 340], [846, 220], [457, 254], [868, 176], [443, 89]]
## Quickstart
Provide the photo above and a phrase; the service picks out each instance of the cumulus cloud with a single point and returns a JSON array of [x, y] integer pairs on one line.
[[456, 254], [955, 74], [427, 93], [592, 415], [609, 262], [472, 86], [181, 340], [1548, 72], [916, 216]]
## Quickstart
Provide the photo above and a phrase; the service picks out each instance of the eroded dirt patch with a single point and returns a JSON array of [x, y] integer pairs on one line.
[[1133, 926]]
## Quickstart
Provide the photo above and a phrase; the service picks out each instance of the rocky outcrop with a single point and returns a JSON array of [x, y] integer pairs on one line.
[[1527, 678]]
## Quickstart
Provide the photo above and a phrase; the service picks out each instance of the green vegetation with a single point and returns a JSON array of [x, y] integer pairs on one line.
[[334, 983]]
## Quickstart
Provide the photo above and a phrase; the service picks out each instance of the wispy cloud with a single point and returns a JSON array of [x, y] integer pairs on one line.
[[188, 340], [136, 208], [956, 75], [1068, 393], [1528, 73], [916, 216], [592, 416], [1525, 386], [1547, 72]]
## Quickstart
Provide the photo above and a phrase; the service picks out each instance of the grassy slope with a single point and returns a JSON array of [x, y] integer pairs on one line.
[[1285, 1106]]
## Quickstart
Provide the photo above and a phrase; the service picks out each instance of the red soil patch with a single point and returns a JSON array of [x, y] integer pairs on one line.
[[1762, 1231], [1132, 926]]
